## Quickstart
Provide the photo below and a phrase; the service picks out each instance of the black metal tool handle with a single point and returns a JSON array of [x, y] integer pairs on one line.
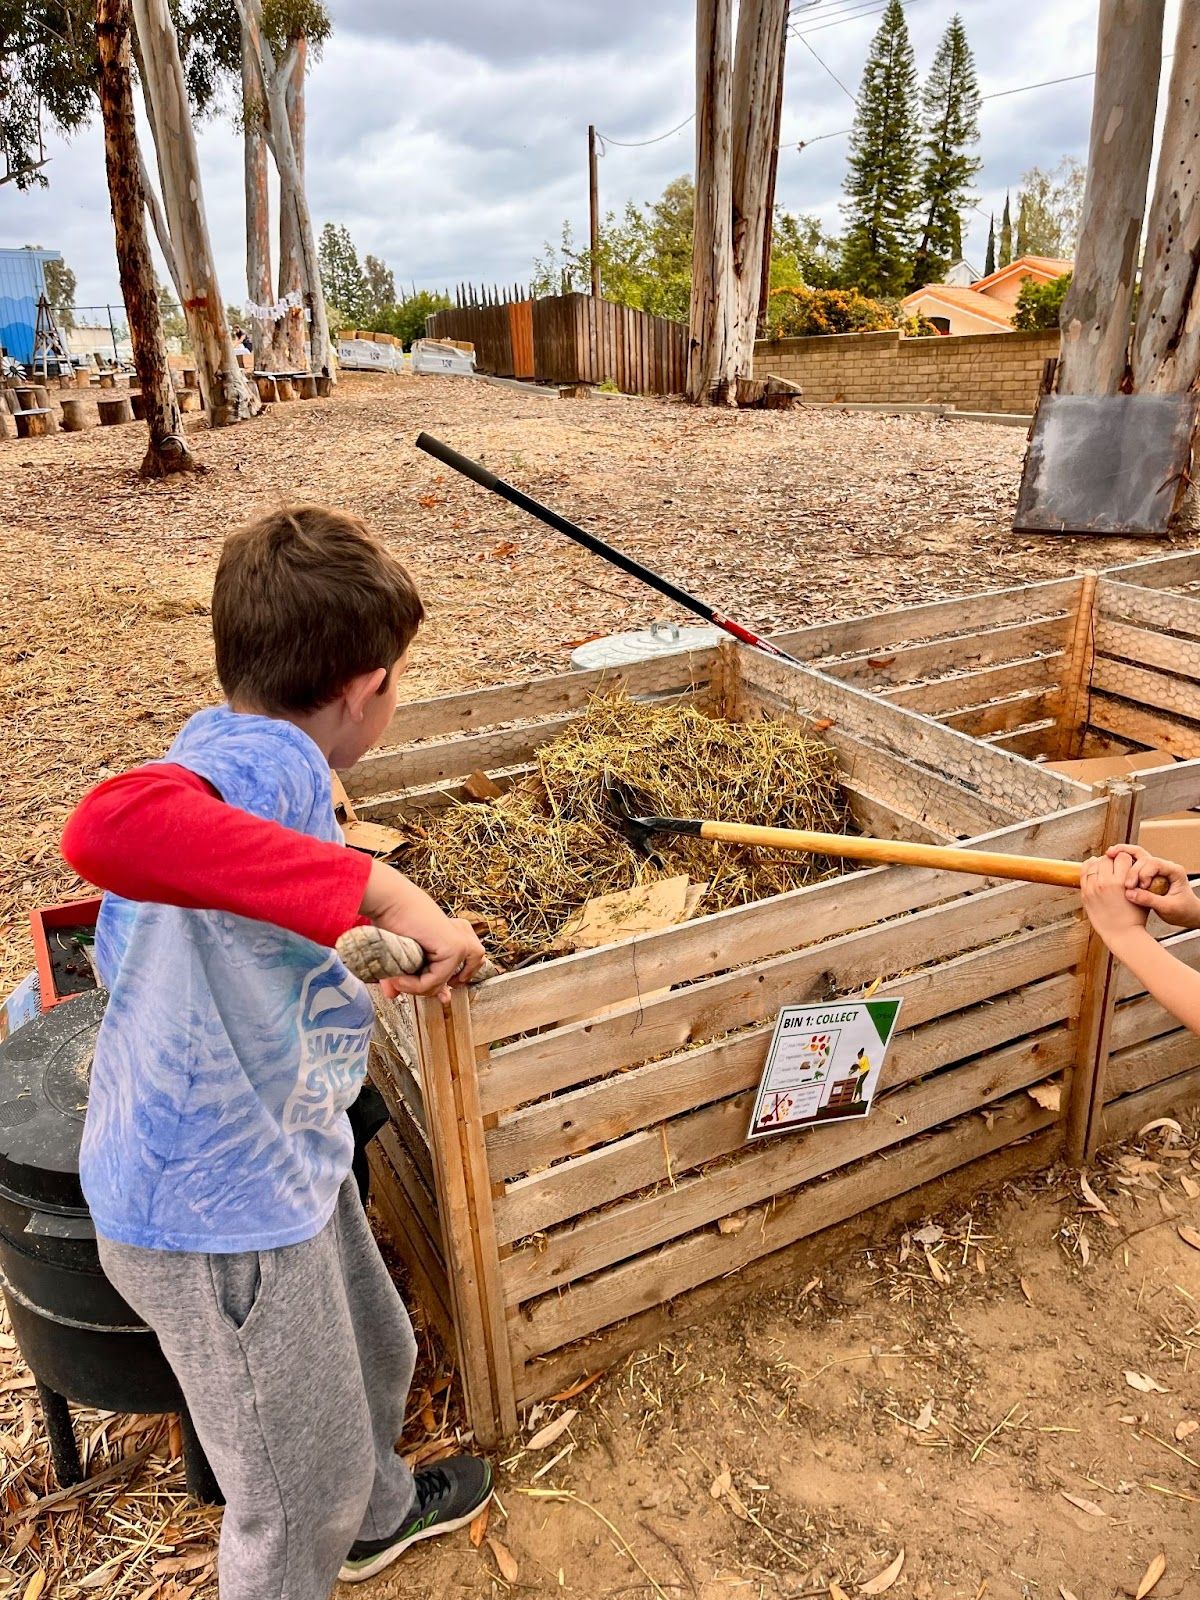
[[507, 491]]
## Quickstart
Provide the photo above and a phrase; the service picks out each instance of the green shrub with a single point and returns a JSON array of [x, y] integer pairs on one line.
[[1039, 305], [793, 313]]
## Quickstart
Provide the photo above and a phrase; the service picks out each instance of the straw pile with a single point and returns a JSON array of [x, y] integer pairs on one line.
[[520, 865]]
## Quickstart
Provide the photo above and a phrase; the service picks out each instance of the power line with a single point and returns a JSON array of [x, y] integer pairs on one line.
[[853, 98], [640, 144]]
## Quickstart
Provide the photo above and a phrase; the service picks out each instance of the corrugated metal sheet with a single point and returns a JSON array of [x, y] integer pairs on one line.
[[22, 282]]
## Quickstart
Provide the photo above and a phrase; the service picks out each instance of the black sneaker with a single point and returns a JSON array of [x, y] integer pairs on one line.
[[448, 1496]]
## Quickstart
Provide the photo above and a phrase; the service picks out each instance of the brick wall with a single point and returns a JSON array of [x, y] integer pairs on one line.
[[974, 372]]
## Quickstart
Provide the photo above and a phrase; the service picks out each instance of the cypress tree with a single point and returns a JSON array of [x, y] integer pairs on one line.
[[881, 185], [951, 128], [1006, 253], [989, 263]]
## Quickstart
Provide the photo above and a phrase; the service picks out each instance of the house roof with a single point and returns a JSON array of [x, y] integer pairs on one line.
[[1031, 266], [958, 298]]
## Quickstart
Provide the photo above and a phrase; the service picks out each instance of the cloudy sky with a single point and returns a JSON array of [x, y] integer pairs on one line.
[[451, 138]]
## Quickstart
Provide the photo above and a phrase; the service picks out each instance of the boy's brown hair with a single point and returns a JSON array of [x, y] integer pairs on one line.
[[304, 600]]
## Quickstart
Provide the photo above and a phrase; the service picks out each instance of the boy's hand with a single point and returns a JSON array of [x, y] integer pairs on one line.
[[1179, 906], [452, 952], [1106, 900]]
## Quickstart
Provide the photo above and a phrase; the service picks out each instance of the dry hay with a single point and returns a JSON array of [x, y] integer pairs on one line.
[[519, 866]]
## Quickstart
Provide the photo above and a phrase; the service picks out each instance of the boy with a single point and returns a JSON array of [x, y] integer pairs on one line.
[[216, 1151], [1117, 898]]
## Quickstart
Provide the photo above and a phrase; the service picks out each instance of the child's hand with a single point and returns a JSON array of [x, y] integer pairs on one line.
[[1106, 900], [452, 952], [1179, 906]]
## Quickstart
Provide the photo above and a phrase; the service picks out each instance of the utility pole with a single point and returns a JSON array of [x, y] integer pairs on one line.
[[594, 210]]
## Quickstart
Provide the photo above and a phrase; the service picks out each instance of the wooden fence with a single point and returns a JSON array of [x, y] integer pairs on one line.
[[571, 338]]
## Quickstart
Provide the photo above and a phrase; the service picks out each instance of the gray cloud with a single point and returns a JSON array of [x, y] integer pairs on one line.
[[451, 140]]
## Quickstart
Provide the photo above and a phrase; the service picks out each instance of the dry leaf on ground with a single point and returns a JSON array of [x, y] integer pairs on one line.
[[479, 1526], [1188, 1235], [722, 1483], [1189, 1185], [1065, 1593], [1143, 1384], [885, 1579], [1186, 1428], [1090, 1195], [552, 1431], [923, 1418], [1152, 1574], [504, 1560], [35, 1585], [1090, 1506], [1046, 1095], [936, 1270]]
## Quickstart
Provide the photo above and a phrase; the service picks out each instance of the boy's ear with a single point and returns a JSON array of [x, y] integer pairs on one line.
[[357, 694]]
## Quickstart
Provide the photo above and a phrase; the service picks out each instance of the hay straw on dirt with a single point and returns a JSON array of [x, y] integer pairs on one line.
[[523, 863]]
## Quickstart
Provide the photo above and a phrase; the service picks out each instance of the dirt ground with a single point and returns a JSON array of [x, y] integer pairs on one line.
[[795, 1444]]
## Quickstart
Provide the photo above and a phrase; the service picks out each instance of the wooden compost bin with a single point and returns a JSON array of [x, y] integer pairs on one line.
[[566, 1138], [1098, 664]]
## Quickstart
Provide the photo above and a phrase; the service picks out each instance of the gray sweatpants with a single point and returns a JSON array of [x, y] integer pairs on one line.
[[296, 1365]]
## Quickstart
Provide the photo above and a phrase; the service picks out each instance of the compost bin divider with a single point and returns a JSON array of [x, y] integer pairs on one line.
[[1085, 1094], [1076, 675]]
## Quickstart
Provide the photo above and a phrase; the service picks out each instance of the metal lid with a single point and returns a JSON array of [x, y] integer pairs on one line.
[[45, 1070], [659, 639]]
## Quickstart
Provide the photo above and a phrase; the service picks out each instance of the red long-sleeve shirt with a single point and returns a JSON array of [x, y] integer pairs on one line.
[[162, 833]]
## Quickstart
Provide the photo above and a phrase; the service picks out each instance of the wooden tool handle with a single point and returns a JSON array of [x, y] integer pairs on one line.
[[900, 852], [374, 953]]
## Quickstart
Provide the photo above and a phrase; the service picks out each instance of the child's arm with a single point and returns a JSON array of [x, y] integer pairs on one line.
[[162, 833], [1121, 923]]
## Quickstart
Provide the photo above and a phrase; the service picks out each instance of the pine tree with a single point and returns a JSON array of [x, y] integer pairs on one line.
[[1006, 250], [882, 182], [951, 128], [989, 262], [341, 274]]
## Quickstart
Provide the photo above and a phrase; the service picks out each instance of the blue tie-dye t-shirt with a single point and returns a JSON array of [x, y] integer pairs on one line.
[[230, 1048]]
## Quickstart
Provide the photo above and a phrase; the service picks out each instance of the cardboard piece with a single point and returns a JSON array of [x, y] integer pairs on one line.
[[342, 808], [1094, 769], [374, 839], [645, 908]]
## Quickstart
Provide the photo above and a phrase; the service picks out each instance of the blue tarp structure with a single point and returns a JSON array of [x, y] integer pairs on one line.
[[22, 283]]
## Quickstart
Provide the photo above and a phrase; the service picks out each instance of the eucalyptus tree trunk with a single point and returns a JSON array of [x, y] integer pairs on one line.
[[1166, 342], [168, 451], [1096, 313], [291, 331], [757, 94], [228, 395], [258, 212], [710, 369]]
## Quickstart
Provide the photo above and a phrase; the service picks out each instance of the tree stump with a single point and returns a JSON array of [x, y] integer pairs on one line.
[[324, 387], [266, 386], [114, 409], [189, 399], [33, 424], [26, 397], [73, 418], [137, 405], [7, 426], [83, 378], [305, 384], [283, 387], [42, 403], [108, 380]]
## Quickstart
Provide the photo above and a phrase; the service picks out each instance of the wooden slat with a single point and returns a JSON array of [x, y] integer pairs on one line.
[[1159, 572], [904, 664], [875, 817], [1179, 697], [960, 614], [1003, 716], [452, 758], [559, 1318], [1151, 609], [521, 1001], [1151, 1062], [1153, 729], [1138, 1020], [1180, 657], [576, 1052], [993, 774], [532, 1137], [417, 1191], [930, 796], [1170, 788], [965, 691], [601, 1238], [473, 709], [947, 1169], [410, 1243], [1124, 1116], [1034, 739], [1184, 947]]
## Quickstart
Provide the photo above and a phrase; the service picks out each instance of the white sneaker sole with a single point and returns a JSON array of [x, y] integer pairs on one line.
[[377, 1564]]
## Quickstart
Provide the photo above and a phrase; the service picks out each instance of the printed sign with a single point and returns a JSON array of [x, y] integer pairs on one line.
[[823, 1064]]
